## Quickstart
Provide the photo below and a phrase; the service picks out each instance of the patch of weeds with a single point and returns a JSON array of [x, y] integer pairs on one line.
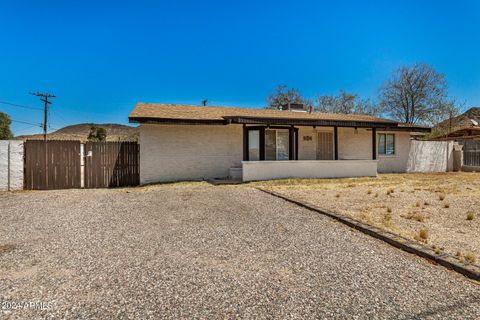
[[418, 204], [423, 233], [376, 195], [337, 195], [470, 258], [389, 210], [470, 215], [369, 191], [441, 196], [437, 249], [387, 219], [426, 203], [446, 205], [415, 215]]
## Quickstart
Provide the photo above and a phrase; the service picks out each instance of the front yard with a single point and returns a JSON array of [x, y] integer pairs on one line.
[[440, 210], [193, 250]]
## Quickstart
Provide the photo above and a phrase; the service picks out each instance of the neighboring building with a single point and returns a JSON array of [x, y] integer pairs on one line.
[[180, 142]]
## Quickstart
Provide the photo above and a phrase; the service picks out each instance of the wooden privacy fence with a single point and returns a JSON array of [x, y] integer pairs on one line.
[[58, 164], [111, 164], [52, 165]]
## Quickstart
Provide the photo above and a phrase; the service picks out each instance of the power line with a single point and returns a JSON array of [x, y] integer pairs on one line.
[[19, 105], [30, 123]]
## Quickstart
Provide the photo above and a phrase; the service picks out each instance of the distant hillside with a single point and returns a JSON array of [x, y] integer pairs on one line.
[[461, 121], [115, 132]]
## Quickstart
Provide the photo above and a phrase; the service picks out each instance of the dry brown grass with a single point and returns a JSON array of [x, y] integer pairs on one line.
[[419, 206], [470, 258], [422, 235], [415, 215]]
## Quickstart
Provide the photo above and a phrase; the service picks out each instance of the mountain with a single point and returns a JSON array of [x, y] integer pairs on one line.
[[462, 121], [115, 132]]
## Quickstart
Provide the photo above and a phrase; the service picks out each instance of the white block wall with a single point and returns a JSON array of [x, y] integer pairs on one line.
[[11, 165], [398, 162], [357, 146], [189, 152], [267, 170]]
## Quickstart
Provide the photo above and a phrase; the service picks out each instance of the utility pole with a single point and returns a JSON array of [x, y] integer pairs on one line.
[[44, 97]]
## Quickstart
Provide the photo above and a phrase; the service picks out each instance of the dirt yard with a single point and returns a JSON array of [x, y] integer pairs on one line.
[[193, 250], [440, 210]]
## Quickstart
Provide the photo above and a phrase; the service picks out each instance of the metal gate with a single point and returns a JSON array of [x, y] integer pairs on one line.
[[471, 152], [51, 165], [111, 164]]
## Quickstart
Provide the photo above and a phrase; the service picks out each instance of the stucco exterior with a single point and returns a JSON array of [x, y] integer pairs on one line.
[[191, 152]]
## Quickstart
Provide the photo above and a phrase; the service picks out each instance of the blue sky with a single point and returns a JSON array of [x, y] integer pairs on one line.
[[101, 57]]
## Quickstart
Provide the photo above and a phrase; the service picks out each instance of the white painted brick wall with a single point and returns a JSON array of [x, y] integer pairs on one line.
[[13, 179], [186, 152], [398, 162]]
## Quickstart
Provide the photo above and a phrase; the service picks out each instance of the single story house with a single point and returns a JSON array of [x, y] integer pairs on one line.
[[183, 142]]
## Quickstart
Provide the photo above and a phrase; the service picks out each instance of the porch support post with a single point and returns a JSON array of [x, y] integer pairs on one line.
[[245, 143], [374, 143], [291, 143], [335, 142]]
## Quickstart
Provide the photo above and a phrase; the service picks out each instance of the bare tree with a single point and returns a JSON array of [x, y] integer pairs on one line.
[[416, 94], [283, 96], [346, 103]]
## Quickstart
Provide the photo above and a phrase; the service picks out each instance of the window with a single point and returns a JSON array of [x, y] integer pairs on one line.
[[254, 145], [276, 144], [386, 144]]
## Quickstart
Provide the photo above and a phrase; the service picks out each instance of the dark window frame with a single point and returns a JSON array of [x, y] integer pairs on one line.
[[293, 137], [385, 144]]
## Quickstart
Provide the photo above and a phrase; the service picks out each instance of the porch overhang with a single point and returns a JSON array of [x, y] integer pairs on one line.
[[307, 122]]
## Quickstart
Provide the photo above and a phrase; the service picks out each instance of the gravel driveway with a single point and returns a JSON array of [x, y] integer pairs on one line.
[[201, 251]]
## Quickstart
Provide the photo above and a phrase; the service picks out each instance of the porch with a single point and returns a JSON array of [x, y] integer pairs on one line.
[[277, 152]]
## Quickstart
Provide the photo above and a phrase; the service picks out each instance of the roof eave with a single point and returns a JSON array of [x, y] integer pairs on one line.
[[176, 121], [308, 122]]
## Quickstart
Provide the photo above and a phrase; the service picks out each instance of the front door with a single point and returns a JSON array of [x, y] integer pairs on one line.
[[324, 145]]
